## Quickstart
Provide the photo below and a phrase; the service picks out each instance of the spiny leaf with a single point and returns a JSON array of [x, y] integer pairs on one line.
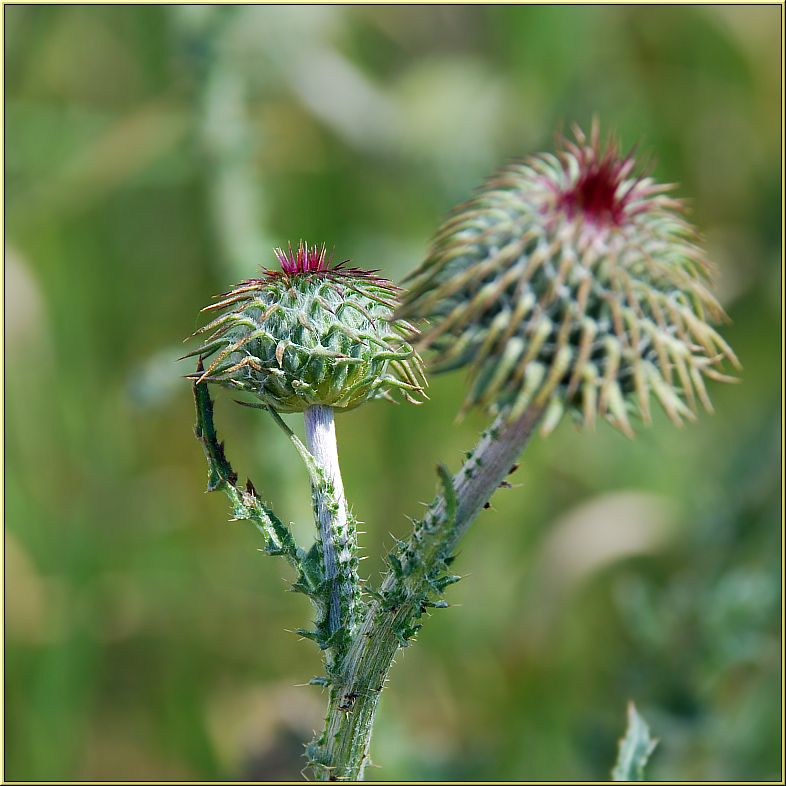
[[451, 502], [635, 748], [313, 569], [311, 634], [438, 584], [220, 473], [395, 564]]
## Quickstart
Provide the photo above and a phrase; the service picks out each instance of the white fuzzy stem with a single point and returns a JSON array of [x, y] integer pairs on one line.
[[321, 443]]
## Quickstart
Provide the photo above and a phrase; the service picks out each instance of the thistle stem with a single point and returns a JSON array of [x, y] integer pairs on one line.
[[341, 753], [334, 531]]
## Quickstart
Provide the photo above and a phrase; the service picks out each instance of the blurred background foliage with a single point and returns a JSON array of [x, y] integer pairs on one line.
[[154, 156]]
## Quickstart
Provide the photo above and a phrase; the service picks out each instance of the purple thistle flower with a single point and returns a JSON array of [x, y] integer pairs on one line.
[[305, 259], [311, 334], [572, 283]]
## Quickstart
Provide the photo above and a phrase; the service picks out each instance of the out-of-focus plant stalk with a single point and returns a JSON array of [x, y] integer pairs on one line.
[[230, 146]]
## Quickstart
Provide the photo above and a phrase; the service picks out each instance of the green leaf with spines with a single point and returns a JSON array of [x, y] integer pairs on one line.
[[323, 682], [339, 639], [313, 635], [375, 593], [395, 564], [393, 599], [406, 632], [313, 569], [301, 586], [433, 604], [402, 641], [438, 584], [635, 748]]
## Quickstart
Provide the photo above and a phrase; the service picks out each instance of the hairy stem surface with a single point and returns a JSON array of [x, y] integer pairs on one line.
[[337, 536], [418, 572]]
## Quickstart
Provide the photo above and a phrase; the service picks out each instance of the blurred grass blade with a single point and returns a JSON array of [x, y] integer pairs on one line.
[[635, 748]]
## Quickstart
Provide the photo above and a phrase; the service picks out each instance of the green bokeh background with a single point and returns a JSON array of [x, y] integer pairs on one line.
[[154, 157]]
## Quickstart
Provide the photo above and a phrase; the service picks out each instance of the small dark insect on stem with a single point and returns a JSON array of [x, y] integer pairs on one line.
[[351, 698]]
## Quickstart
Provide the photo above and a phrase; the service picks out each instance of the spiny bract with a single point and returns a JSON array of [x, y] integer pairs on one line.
[[571, 281], [311, 334]]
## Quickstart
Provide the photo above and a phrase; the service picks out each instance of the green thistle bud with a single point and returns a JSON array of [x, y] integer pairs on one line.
[[571, 282], [311, 334]]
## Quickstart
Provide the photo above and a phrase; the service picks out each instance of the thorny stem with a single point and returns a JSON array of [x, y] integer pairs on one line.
[[484, 471], [334, 530], [341, 753], [363, 639]]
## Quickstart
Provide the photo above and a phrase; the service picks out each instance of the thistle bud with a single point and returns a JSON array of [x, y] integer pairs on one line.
[[311, 333], [572, 282]]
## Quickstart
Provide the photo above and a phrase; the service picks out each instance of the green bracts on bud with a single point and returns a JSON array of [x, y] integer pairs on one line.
[[573, 283], [311, 334]]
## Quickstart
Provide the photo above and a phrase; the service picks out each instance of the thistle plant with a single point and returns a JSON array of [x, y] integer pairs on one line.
[[314, 337], [571, 283]]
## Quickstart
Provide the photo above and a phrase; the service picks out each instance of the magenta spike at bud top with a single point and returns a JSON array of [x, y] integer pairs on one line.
[[311, 334], [572, 283], [305, 259]]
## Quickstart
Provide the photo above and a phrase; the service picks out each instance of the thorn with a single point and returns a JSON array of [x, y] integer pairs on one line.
[[249, 404]]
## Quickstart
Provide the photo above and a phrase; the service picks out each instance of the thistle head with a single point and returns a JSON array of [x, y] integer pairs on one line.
[[311, 333], [572, 282]]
